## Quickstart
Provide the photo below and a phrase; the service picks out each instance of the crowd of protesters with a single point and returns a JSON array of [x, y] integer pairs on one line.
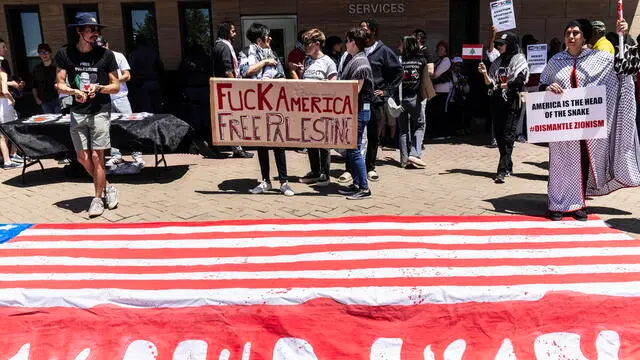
[[403, 98]]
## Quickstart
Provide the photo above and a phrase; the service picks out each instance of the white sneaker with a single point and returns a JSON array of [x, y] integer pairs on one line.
[[115, 160], [261, 188], [137, 157], [286, 189], [111, 197], [17, 159], [417, 162], [96, 208]]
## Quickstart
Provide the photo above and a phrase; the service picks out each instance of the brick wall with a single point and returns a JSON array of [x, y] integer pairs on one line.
[[542, 18], [545, 19]]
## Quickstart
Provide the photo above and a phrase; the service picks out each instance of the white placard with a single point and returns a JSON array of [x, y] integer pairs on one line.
[[503, 15], [577, 114], [537, 58]]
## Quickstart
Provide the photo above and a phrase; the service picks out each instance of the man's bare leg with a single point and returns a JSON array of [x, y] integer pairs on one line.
[[99, 172]]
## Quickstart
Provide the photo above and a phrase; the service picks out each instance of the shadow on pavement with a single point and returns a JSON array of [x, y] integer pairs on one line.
[[536, 205], [629, 225], [601, 210], [242, 187], [521, 204], [490, 175], [149, 175], [544, 165], [76, 205]]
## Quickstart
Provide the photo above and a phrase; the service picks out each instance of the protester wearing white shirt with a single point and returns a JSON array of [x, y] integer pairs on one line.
[[120, 101], [442, 127]]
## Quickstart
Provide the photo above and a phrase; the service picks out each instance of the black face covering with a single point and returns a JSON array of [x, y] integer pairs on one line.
[[513, 47]]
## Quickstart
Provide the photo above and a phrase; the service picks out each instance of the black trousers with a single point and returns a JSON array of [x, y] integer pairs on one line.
[[374, 128], [320, 161], [505, 121], [440, 123], [281, 163], [585, 165]]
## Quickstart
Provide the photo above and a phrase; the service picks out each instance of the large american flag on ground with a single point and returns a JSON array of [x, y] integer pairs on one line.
[[392, 288]]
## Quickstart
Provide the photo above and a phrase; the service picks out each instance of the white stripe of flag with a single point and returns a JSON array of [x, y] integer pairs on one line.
[[472, 51]]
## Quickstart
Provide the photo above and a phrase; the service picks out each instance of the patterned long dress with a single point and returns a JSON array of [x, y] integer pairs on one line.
[[614, 163]]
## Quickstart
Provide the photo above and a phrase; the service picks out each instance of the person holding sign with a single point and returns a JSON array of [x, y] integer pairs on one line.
[[258, 61], [589, 167], [317, 66], [506, 79]]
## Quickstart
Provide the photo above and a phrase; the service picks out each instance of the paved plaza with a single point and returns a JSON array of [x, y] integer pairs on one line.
[[457, 181]]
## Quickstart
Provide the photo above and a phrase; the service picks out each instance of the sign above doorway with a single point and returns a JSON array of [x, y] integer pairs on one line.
[[376, 8]]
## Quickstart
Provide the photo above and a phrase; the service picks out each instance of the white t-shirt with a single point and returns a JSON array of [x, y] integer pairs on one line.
[[369, 50], [123, 65], [321, 68], [442, 67]]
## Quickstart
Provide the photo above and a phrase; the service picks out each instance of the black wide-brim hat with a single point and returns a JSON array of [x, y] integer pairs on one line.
[[85, 19]]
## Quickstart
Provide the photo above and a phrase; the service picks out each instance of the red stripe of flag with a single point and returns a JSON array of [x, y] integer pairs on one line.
[[173, 253], [322, 265], [323, 283]]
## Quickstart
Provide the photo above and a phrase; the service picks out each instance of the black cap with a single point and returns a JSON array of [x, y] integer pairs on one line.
[[506, 38]]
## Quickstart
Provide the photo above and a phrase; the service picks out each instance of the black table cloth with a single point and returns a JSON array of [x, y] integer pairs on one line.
[[150, 133]]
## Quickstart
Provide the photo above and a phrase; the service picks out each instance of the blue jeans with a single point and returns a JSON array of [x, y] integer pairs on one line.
[[51, 107], [411, 126], [354, 156]]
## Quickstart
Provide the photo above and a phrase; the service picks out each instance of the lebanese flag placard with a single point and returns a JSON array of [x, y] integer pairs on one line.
[[472, 51]]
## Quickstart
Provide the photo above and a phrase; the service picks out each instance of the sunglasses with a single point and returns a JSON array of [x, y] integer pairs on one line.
[[575, 33], [93, 29]]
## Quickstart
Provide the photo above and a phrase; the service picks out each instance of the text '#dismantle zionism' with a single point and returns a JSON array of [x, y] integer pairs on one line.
[[577, 114]]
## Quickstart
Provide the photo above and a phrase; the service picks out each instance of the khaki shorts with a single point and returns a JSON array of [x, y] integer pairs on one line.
[[91, 131]]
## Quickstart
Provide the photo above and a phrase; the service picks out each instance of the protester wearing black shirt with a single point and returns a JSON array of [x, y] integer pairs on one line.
[[225, 65], [93, 76], [44, 81], [421, 36], [387, 76], [411, 124]]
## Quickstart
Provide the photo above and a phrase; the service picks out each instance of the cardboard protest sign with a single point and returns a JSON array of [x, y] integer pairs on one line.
[[284, 113], [577, 114], [537, 58], [503, 15]]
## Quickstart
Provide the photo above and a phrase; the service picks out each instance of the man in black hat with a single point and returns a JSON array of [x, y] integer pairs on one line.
[[92, 72]]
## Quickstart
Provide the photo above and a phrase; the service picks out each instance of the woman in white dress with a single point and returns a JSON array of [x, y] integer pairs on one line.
[[590, 167]]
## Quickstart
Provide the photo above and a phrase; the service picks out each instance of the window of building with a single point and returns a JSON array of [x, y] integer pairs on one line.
[[25, 33], [139, 19], [195, 25], [70, 12]]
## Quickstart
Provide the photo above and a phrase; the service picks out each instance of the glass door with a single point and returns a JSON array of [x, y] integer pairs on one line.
[[283, 32]]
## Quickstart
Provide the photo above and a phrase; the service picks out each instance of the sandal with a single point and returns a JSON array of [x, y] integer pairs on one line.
[[345, 177], [373, 176]]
